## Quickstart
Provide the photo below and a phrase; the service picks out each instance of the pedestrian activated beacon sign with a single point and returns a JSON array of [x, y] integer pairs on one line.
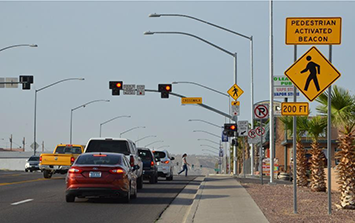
[[313, 31], [235, 92], [312, 73]]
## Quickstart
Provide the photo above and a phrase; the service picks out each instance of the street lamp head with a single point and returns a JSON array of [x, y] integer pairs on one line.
[[154, 15], [107, 100], [81, 79], [174, 82], [148, 33], [33, 45]]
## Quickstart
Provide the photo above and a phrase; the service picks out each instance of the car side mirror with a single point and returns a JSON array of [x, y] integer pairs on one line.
[[172, 158]]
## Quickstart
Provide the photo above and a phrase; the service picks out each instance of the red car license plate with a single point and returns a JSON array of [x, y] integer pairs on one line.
[[95, 174]]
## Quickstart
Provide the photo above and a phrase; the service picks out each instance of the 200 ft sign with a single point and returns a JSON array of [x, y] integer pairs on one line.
[[295, 109]]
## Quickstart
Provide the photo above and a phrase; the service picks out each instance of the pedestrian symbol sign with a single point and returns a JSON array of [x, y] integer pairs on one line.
[[312, 73], [235, 92]]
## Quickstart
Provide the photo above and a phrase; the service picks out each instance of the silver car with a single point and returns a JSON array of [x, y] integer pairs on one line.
[[32, 164]]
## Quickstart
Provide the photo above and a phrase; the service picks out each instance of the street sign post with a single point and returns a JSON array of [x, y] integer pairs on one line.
[[313, 30], [235, 92], [295, 108], [129, 89], [312, 73], [185, 101]]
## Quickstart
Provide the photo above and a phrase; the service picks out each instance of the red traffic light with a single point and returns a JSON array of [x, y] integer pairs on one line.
[[232, 127], [119, 85], [167, 87]]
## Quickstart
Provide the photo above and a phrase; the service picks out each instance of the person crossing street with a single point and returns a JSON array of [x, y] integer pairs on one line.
[[185, 163]]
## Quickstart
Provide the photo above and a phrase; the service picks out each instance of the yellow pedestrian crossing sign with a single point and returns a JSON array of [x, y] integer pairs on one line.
[[235, 92], [312, 73]]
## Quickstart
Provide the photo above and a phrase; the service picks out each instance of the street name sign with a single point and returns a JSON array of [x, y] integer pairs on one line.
[[11, 79], [185, 101], [2, 80], [313, 30], [261, 111], [140, 89], [312, 73], [295, 108], [235, 92], [129, 89]]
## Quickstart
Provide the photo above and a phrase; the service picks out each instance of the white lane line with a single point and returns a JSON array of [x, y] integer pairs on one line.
[[21, 202]]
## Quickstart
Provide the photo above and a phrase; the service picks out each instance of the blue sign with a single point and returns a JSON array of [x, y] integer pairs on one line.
[[224, 137]]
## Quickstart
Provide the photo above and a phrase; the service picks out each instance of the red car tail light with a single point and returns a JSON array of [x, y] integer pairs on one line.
[[117, 171], [75, 170], [166, 162], [100, 155], [152, 163], [131, 161], [40, 159], [72, 159]]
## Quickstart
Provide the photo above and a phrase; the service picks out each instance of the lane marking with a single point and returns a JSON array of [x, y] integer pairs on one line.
[[21, 202], [27, 181]]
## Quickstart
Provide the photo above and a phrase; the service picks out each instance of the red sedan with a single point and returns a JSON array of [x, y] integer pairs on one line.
[[101, 175]]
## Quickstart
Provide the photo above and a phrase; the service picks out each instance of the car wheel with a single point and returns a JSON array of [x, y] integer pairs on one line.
[[134, 195], [170, 177], [31, 171], [69, 198], [127, 198], [47, 174], [26, 170], [140, 182]]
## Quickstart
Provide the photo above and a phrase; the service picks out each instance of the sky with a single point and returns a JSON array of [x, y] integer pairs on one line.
[[104, 41]]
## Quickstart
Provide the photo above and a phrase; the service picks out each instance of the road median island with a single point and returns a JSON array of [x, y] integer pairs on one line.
[[180, 207]]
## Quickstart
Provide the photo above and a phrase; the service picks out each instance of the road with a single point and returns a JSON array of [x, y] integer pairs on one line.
[[28, 197]]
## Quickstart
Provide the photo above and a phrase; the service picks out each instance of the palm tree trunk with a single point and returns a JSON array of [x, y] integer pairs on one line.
[[346, 171], [317, 168], [301, 165]]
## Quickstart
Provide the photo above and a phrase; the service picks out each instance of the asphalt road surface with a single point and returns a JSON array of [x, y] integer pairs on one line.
[[28, 197]]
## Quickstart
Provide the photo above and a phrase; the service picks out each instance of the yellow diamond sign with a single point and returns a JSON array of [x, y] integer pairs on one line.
[[235, 92], [312, 73]]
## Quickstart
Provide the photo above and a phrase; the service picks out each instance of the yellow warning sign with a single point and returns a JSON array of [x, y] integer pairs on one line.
[[295, 108], [235, 103], [191, 101], [235, 92], [312, 73], [313, 30]]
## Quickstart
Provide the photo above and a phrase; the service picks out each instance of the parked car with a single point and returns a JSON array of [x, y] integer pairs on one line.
[[118, 145], [101, 175], [32, 164], [150, 169], [60, 160], [165, 166]]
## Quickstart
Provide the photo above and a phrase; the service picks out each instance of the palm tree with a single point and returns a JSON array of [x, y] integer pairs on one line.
[[343, 116], [316, 126], [301, 160]]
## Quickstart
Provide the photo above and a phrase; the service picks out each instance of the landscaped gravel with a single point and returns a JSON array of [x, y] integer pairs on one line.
[[276, 202]]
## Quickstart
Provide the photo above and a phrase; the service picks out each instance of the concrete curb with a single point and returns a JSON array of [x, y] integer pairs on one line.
[[189, 216], [177, 211]]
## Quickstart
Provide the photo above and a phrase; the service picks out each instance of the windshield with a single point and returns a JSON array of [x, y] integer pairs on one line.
[[116, 146], [68, 150], [34, 158], [145, 155], [98, 160]]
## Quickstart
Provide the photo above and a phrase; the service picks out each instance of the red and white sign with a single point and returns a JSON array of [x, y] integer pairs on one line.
[[261, 111], [260, 131], [252, 133]]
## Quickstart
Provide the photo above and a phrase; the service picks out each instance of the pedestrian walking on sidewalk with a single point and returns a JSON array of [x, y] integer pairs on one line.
[[185, 163]]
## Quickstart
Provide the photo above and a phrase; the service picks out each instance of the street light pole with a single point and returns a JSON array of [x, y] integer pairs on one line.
[[153, 143], [35, 108], [144, 138], [210, 147], [71, 115], [18, 45], [209, 141], [163, 146], [155, 15], [200, 120], [207, 133], [131, 130], [122, 116]]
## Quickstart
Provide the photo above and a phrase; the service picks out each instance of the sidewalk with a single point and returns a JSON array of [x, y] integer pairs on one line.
[[219, 199]]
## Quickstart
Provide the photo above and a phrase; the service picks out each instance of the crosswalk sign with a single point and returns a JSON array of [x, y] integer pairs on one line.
[[312, 73], [235, 92]]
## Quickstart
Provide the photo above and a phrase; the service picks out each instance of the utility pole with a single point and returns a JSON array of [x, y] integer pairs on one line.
[[11, 142], [42, 146], [24, 143]]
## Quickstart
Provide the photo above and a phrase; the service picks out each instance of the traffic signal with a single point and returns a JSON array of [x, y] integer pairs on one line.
[[164, 89], [230, 129], [26, 82], [116, 86]]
